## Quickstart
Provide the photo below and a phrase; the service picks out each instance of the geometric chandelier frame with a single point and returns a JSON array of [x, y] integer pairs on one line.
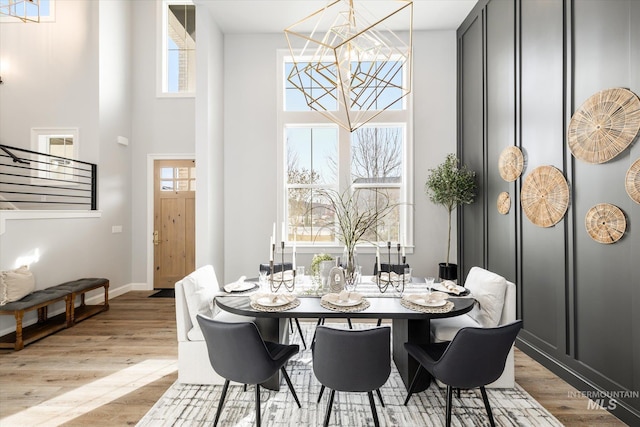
[[24, 10], [357, 68]]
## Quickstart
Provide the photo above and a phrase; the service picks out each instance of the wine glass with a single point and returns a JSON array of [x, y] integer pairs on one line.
[[262, 280], [430, 280]]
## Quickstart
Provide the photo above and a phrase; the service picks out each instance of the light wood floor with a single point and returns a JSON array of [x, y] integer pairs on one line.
[[109, 370]]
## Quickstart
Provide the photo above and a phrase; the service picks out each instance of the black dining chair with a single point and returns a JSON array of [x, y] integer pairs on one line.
[[352, 360], [238, 353], [474, 358], [278, 268]]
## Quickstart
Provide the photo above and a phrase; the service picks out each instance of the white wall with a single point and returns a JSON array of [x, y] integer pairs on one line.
[[209, 143], [163, 126], [63, 75], [106, 86], [250, 147]]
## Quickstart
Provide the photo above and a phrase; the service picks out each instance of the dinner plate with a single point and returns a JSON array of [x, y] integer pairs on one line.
[[421, 300], [272, 300], [343, 299]]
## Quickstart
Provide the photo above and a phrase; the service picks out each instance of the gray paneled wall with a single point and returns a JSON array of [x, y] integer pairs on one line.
[[524, 67]]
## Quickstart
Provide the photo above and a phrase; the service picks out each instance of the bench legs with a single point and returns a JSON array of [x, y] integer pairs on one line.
[[19, 345], [84, 311]]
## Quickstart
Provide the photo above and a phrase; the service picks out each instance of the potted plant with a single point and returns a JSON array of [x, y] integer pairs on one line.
[[450, 185]]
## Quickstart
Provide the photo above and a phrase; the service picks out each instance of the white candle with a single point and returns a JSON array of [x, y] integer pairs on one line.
[[403, 254], [271, 249], [293, 261], [273, 233], [378, 257], [284, 233]]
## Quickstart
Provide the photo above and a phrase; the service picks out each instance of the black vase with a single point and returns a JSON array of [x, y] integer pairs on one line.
[[448, 271]]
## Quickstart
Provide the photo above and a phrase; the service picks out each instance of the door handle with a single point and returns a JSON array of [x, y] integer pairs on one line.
[[156, 239]]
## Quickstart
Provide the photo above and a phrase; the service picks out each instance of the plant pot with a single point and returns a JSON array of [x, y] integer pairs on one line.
[[448, 271]]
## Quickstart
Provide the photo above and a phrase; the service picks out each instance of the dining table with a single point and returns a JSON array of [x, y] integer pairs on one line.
[[410, 322]]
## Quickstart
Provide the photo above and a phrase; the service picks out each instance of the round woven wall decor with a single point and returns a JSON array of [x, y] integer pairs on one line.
[[511, 163], [504, 203], [605, 223], [604, 125], [632, 181], [545, 196]]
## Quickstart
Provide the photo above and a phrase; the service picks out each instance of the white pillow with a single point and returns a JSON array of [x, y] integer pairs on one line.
[[15, 284], [489, 290], [200, 288]]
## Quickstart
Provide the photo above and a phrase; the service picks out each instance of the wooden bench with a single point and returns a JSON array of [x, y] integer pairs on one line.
[[41, 300]]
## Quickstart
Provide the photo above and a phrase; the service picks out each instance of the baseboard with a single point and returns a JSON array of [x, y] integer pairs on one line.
[[622, 410], [140, 287]]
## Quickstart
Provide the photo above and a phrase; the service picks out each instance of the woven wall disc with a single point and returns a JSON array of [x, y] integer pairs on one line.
[[504, 203], [632, 181], [605, 223], [511, 163], [545, 196], [604, 125]]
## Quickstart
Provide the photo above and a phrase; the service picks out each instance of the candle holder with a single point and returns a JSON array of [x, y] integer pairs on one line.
[[399, 284], [276, 284]]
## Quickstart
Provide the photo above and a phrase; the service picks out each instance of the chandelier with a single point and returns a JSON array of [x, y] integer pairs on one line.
[[24, 10], [356, 68]]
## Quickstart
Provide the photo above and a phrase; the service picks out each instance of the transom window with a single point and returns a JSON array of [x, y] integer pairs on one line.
[[178, 47], [318, 155]]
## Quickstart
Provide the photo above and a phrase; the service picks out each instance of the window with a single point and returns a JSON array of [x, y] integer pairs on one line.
[[27, 10], [177, 179], [178, 48], [320, 155], [63, 145]]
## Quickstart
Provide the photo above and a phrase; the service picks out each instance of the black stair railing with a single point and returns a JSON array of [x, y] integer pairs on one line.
[[30, 180]]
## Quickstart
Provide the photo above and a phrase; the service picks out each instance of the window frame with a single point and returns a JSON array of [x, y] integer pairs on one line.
[[37, 134], [162, 60], [51, 17], [393, 118]]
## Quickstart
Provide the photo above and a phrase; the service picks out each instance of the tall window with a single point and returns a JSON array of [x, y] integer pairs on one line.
[[42, 11], [178, 47], [320, 155]]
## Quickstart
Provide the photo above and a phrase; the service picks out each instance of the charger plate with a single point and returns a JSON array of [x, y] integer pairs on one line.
[[351, 309], [416, 307], [273, 302]]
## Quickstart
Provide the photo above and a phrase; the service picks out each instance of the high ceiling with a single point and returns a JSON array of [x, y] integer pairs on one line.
[[273, 16]]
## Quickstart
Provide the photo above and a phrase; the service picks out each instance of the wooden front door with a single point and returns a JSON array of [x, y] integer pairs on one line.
[[174, 221]]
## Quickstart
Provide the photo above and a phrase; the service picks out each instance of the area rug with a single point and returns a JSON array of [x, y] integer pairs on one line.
[[195, 405]]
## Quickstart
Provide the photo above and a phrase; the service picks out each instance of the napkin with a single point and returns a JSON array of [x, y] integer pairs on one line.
[[235, 285], [452, 287]]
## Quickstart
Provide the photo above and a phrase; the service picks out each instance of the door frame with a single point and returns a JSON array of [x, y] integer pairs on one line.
[[150, 208]]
